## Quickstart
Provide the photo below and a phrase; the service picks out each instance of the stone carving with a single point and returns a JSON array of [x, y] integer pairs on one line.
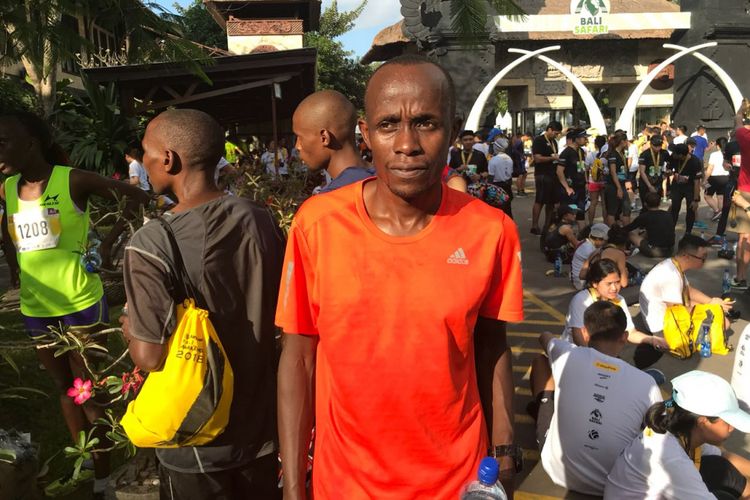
[[247, 27]]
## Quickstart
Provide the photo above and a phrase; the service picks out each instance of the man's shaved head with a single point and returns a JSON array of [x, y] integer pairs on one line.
[[414, 60], [330, 110], [194, 135]]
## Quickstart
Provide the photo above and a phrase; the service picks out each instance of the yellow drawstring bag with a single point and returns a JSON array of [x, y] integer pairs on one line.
[[682, 328], [187, 402]]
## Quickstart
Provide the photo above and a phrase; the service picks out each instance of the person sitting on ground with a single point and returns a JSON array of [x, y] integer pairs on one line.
[[324, 123], [591, 422], [667, 284], [652, 232], [614, 249], [603, 284], [561, 236], [677, 455], [596, 239]]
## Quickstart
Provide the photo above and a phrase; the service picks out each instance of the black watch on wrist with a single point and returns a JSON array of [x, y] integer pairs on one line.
[[509, 450]]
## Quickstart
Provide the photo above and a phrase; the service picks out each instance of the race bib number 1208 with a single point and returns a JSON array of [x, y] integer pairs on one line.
[[37, 229]]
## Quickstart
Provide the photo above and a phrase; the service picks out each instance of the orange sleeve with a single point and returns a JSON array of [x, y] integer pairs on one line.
[[295, 312], [504, 299]]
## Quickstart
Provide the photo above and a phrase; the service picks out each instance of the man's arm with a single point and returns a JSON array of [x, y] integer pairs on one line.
[[146, 355], [296, 408], [644, 177], [494, 368], [560, 170], [87, 183], [615, 179]]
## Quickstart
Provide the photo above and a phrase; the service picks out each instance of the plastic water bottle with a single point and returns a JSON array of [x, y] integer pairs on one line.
[[486, 486], [726, 284], [91, 259], [704, 337], [558, 265]]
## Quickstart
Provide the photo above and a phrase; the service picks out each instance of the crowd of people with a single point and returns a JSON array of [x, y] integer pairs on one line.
[[386, 385]]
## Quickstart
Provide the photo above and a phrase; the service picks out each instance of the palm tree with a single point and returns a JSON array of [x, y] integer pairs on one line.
[[469, 17], [37, 34]]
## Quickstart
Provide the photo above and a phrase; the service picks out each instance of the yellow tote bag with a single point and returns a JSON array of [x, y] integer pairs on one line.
[[187, 402]]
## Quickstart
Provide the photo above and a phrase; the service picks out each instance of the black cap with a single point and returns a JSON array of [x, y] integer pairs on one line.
[[746, 121], [563, 210], [576, 133], [656, 140]]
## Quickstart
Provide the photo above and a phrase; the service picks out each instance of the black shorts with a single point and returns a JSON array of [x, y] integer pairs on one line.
[[546, 189], [654, 252], [257, 480], [578, 198], [546, 402], [721, 477], [616, 206], [717, 184]]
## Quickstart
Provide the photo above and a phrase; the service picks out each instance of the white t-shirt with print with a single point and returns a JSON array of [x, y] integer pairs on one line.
[[600, 402], [578, 305], [662, 286], [633, 157], [655, 467], [580, 256], [135, 169]]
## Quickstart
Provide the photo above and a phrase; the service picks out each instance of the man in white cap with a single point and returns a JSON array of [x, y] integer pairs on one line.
[[677, 456], [597, 238]]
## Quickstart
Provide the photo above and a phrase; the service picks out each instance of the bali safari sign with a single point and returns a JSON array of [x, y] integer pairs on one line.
[[591, 16]]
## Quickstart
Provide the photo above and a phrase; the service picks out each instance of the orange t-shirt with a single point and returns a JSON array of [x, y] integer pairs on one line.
[[398, 413]]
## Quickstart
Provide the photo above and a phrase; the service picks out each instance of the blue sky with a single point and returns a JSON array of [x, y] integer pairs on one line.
[[377, 15]]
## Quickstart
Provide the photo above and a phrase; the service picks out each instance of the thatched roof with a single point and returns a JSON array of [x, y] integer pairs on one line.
[[391, 41]]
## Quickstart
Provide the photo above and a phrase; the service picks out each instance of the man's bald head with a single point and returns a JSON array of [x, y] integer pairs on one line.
[[330, 110], [441, 75], [194, 135]]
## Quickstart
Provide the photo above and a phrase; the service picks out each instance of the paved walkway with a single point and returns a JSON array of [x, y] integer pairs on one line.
[[546, 303]]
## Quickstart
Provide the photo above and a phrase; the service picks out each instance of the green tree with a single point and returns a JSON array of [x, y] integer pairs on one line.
[[470, 16], [37, 35], [198, 25], [337, 68]]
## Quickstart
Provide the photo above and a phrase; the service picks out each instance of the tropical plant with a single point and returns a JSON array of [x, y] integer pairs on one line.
[[15, 96], [42, 33], [92, 129], [337, 69], [198, 25], [469, 17]]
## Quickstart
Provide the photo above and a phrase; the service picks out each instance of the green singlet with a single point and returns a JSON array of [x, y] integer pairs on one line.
[[50, 235]]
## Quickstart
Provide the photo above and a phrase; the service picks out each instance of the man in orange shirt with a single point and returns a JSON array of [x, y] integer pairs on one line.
[[411, 385]]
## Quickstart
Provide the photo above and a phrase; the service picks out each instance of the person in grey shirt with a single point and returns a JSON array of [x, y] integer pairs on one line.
[[232, 251]]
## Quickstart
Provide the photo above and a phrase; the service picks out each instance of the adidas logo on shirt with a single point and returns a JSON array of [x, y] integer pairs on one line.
[[458, 257]]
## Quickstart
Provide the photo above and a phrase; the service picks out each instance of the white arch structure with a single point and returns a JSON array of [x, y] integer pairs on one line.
[[734, 92], [595, 114], [625, 122], [475, 115]]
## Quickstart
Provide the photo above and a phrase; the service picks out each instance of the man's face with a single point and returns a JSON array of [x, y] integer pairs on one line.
[[155, 158], [15, 146], [467, 142], [408, 127], [552, 133], [309, 144], [581, 141]]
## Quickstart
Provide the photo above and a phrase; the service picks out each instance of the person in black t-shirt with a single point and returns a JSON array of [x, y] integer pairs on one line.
[[651, 166], [615, 198], [732, 160], [686, 183], [658, 240], [571, 172], [544, 151], [468, 160]]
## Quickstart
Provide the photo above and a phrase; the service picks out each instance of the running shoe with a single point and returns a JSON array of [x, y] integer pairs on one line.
[[715, 241], [739, 285]]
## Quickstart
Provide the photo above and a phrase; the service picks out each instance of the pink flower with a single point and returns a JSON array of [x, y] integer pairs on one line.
[[132, 381], [81, 391]]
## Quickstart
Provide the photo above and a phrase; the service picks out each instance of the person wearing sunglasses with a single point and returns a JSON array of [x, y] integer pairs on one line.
[[667, 284]]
